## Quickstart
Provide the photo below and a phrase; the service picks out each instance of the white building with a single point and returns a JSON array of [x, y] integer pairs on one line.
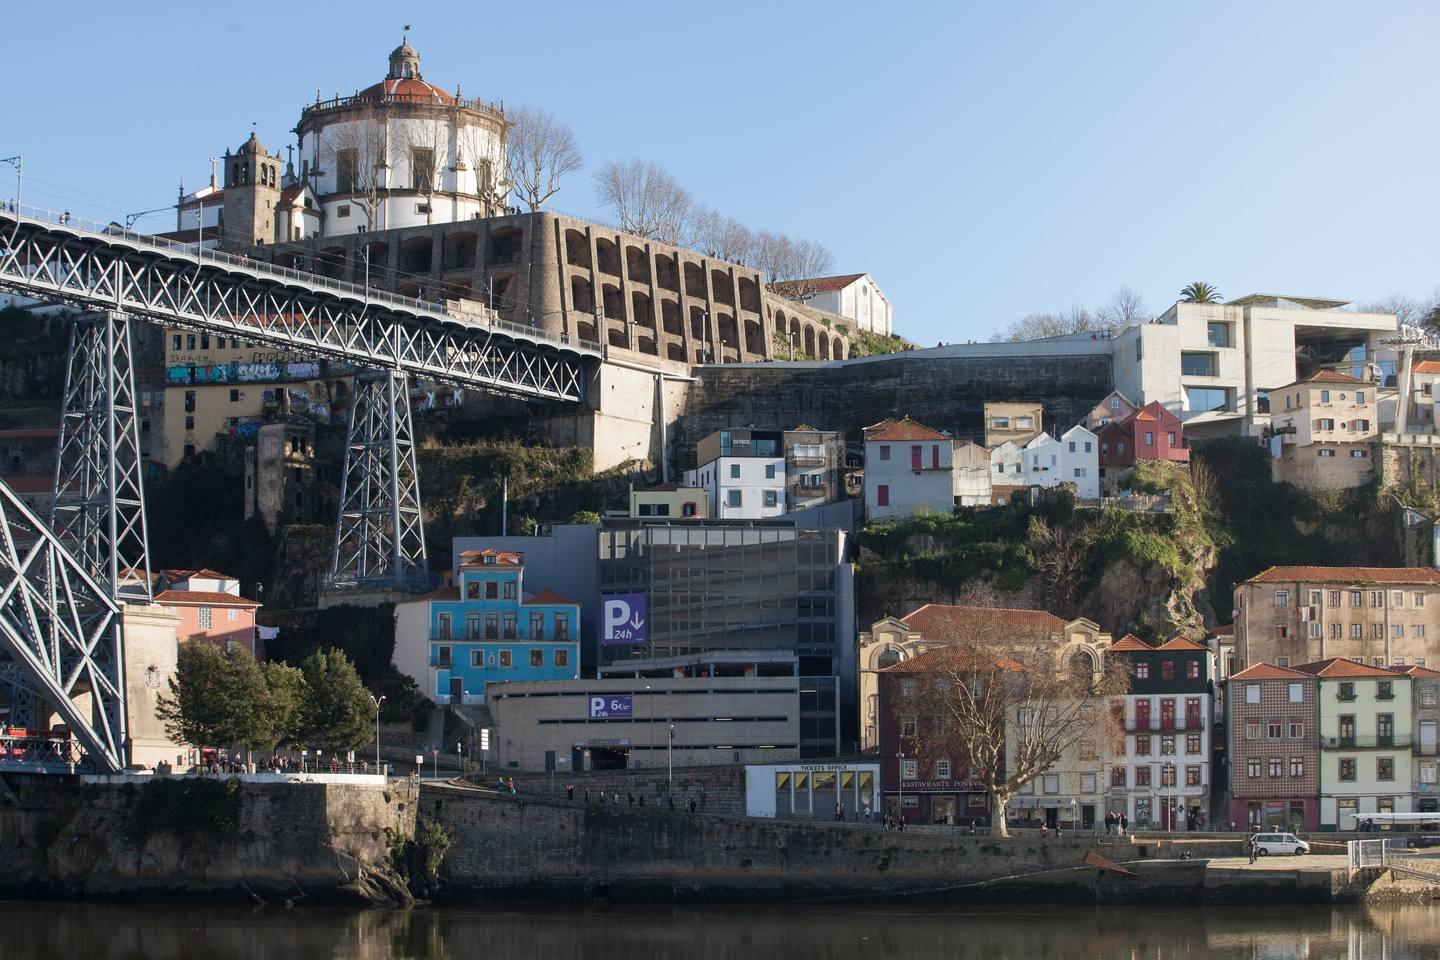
[[972, 474], [742, 472], [853, 295], [908, 470], [1007, 469], [1213, 363], [1073, 458]]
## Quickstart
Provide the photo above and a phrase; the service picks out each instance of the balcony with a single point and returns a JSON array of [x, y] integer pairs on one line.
[[1366, 743]]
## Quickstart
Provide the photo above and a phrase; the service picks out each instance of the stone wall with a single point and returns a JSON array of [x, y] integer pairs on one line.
[[942, 389], [62, 837], [718, 791]]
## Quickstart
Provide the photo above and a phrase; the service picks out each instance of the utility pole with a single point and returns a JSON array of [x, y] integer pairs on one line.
[[18, 162], [505, 505], [377, 729]]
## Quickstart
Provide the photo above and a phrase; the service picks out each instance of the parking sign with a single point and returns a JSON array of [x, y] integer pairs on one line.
[[612, 708], [622, 618]]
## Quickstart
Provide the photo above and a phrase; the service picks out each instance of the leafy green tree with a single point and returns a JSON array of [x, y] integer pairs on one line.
[[197, 709], [585, 516], [1199, 292], [286, 696], [338, 711], [246, 702]]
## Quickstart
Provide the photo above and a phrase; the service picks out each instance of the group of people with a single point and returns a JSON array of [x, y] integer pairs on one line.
[[1116, 824]]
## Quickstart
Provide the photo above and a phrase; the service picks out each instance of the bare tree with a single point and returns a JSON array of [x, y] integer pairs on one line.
[[1008, 710], [722, 237], [1060, 553], [423, 147], [645, 200], [1033, 326], [1125, 308], [360, 154], [1406, 308], [541, 152], [791, 266], [481, 152]]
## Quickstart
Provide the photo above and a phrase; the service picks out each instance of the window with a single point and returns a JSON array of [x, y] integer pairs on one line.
[[1197, 364], [1419, 599], [1325, 452], [1418, 630], [1167, 746], [1297, 766], [1218, 334], [1377, 598], [1252, 693], [189, 341], [1192, 743], [234, 396], [1397, 630], [1277, 767], [1334, 598], [732, 498], [1316, 630], [1336, 630], [769, 471], [537, 659], [1170, 438], [1202, 399], [562, 657], [1117, 776], [346, 173], [882, 495], [510, 588], [1377, 631], [477, 658], [1297, 730], [1072, 446], [772, 498], [175, 341], [189, 423], [907, 727], [1272, 729], [1357, 631], [1347, 691], [1429, 697], [734, 471], [1142, 776], [492, 626], [562, 626], [1347, 769], [537, 626], [1080, 471], [1356, 598], [1192, 669], [492, 590], [1000, 423], [1050, 783], [443, 657], [1192, 776], [942, 769], [1282, 598], [1360, 397], [1384, 768], [1142, 671], [1149, 438], [1142, 745], [1167, 776], [1252, 768], [884, 451], [508, 632], [1295, 692], [472, 590], [505, 658], [1282, 631], [204, 618], [1167, 669], [1324, 396]]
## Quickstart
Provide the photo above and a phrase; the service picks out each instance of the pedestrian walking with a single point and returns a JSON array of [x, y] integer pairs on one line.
[[1250, 846], [1124, 824], [511, 784], [1110, 823], [631, 797]]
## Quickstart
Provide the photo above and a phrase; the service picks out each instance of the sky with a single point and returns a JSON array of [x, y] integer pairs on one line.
[[982, 161]]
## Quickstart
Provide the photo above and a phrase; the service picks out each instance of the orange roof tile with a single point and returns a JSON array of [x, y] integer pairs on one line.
[[1182, 643], [1347, 575], [1427, 366], [937, 621], [1333, 667], [1269, 671], [1415, 670], [1130, 643], [203, 598], [1329, 376], [507, 558], [907, 429], [547, 596], [877, 426]]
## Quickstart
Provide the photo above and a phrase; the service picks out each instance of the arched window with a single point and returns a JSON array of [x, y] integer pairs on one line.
[[888, 658]]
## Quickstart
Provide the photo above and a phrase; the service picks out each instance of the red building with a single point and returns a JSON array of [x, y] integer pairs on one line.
[[926, 789], [211, 610], [1150, 433], [1274, 749]]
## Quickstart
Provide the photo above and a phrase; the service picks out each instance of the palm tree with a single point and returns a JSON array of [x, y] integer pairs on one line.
[[1199, 292]]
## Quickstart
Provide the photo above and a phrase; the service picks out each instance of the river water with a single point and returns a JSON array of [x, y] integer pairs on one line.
[[67, 931]]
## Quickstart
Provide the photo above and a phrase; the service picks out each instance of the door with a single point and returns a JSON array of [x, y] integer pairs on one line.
[[1142, 714], [1427, 737], [1167, 714], [942, 810], [457, 689]]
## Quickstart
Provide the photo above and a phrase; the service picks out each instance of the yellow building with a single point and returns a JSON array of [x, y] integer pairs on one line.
[[1325, 431], [1020, 422], [221, 385], [670, 500]]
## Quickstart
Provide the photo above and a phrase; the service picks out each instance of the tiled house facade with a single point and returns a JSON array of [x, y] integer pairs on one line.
[[1274, 749]]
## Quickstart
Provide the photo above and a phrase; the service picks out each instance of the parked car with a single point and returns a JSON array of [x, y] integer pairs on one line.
[[1426, 841], [1268, 843]]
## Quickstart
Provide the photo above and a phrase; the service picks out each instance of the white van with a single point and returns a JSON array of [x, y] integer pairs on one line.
[[1280, 843]]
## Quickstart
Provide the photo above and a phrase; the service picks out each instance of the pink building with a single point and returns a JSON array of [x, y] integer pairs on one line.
[[211, 609], [1150, 433]]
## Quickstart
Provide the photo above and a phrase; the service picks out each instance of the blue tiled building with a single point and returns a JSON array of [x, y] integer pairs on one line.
[[486, 629]]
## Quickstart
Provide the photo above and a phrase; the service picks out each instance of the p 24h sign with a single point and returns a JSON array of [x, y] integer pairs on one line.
[[612, 708], [622, 619]]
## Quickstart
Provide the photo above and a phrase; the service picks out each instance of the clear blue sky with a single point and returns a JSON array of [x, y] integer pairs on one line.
[[982, 161]]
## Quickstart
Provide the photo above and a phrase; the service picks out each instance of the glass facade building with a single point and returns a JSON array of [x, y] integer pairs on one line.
[[714, 586]]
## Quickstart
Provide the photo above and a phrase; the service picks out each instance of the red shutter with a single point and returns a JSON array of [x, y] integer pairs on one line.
[[915, 457], [935, 456], [882, 495]]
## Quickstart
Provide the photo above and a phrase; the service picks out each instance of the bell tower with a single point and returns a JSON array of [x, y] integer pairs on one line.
[[252, 190]]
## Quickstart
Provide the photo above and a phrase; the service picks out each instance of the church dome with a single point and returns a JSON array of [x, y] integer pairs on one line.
[[403, 81]]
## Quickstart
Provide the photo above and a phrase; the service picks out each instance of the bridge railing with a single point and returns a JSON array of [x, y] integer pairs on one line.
[[477, 315], [38, 751]]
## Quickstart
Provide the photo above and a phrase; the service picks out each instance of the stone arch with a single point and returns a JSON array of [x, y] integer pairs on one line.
[[697, 324], [808, 344], [582, 295], [837, 349], [729, 336], [585, 328], [694, 280], [720, 288], [577, 249], [676, 351], [613, 303], [415, 255], [886, 656], [670, 318], [615, 335], [641, 309], [460, 250], [666, 276], [823, 348], [637, 265], [749, 294], [607, 257], [505, 245], [754, 338]]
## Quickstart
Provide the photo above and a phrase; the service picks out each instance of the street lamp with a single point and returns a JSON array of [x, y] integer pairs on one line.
[[651, 725], [377, 729], [900, 781], [670, 757], [18, 162]]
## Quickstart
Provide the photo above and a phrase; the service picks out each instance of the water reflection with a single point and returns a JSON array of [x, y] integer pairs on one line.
[[98, 932]]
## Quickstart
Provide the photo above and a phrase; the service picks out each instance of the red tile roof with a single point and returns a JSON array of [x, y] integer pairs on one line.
[[203, 598], [1347, 575], [289, 194], [1131, 644], [1415, 670], [504, 558], [444, 593], [1427, 366], [877, 427], [1182, 643], [1329, 376], [1269, 671], [548, 596], [1332, 667], [937, 621], [816, 284], [906, 429], [406, 89]]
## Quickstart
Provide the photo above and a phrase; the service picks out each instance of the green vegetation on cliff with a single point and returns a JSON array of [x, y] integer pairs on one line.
[[186, 807]]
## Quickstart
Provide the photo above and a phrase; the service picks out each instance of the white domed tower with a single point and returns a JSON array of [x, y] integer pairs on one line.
[[402, 153]]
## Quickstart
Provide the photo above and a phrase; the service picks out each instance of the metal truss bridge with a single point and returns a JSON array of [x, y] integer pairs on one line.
[[65, 579]]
